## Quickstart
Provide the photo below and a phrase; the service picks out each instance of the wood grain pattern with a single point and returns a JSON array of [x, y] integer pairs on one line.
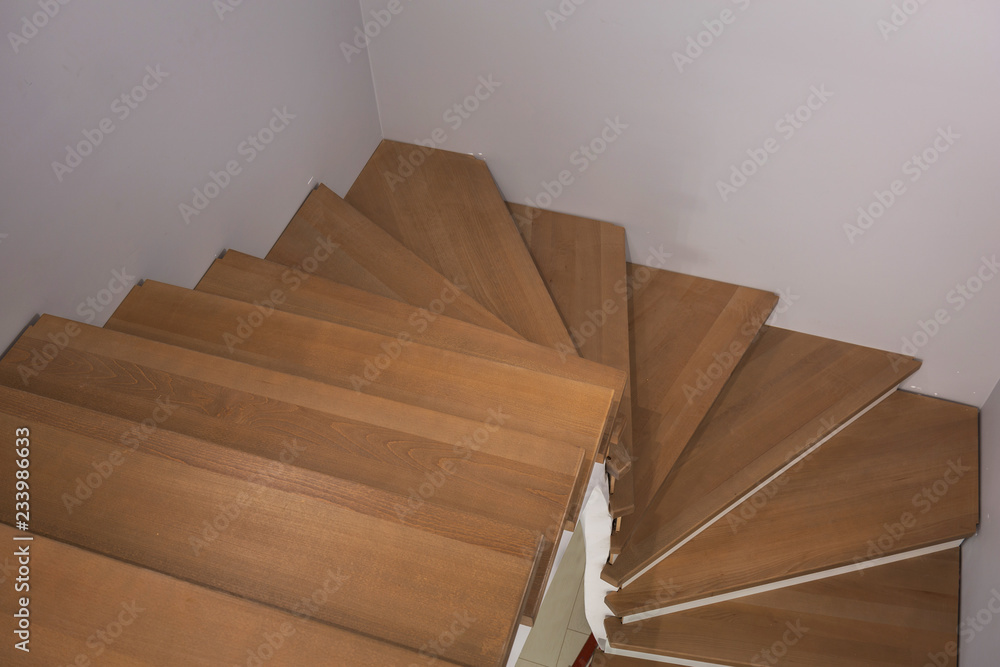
[[327, 237], [270, 531], [76, 594], [449, 213], [895, 615], [440, 380], [245, 278], [688, 334], [790, 392], [319, 440], [911, 460]]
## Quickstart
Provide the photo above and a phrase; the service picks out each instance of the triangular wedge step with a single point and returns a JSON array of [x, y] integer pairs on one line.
[[583, 265], [532, 497], [327, 237], [245, 278], [170, 622], [269, 531], [790, 393], [392, 367], [904, 613], [901, 479], [688, 334], [448, 211]]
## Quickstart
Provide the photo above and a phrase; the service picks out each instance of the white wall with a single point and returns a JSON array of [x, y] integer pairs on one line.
[[784, 229], [980, 643], [120, 207]]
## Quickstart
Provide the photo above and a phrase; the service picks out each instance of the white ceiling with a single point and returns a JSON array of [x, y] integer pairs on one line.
[[784, 229]]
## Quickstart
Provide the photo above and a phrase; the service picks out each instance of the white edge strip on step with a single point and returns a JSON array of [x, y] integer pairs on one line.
[[760, 486], [794, 581], [652, 657]]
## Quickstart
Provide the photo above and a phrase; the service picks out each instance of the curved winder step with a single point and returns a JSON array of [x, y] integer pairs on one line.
[[901, 479], [901, 614], [449, 212], [268, 531], [683, 328], [791, 392], [327, 237]]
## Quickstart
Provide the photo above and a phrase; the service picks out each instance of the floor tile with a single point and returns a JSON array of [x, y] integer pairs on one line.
[[572, 645]]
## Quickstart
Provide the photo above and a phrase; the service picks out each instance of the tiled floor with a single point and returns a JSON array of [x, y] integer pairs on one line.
[[561, 629]]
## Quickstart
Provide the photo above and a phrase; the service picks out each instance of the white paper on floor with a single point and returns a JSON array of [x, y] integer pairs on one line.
[[595, 521]]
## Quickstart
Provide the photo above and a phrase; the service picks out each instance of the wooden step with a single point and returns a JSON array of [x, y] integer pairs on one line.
[[90, 609], [449, 212], [688, 335], [327, 237], [791, 392], [583, 264], [902, 478], [904, 613], [417, 468], [245, 278], [267, 531]]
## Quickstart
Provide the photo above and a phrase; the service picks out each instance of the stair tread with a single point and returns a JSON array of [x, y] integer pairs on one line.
[[679, 324], [790, 392], [583, 264], [886, 616], [173, 623], [245, 278], [864, 481], [277, 529], [368, 258], [447, 382], [449, 212], [417, 468]]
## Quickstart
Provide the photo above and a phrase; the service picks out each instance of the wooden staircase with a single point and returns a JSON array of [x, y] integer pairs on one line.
[[364, 448]]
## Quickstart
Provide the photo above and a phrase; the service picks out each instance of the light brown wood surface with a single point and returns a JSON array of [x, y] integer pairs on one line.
[[450, 214], [688, 335], [838, 507], [895, 615], [417, 468], [80, 600], [368, 258], [273, 531], [790, 392]]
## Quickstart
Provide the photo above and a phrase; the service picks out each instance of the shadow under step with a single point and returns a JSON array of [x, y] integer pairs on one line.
[[448, 211], [903, 613], [901, 479], [791, 392]]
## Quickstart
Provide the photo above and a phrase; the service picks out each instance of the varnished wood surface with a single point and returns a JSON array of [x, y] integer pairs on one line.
[[894, 615], [417, 468], [449, 212], [121, 615], [790, 392], [245, 278], [912, 461], [272, 530], [368, 258]]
